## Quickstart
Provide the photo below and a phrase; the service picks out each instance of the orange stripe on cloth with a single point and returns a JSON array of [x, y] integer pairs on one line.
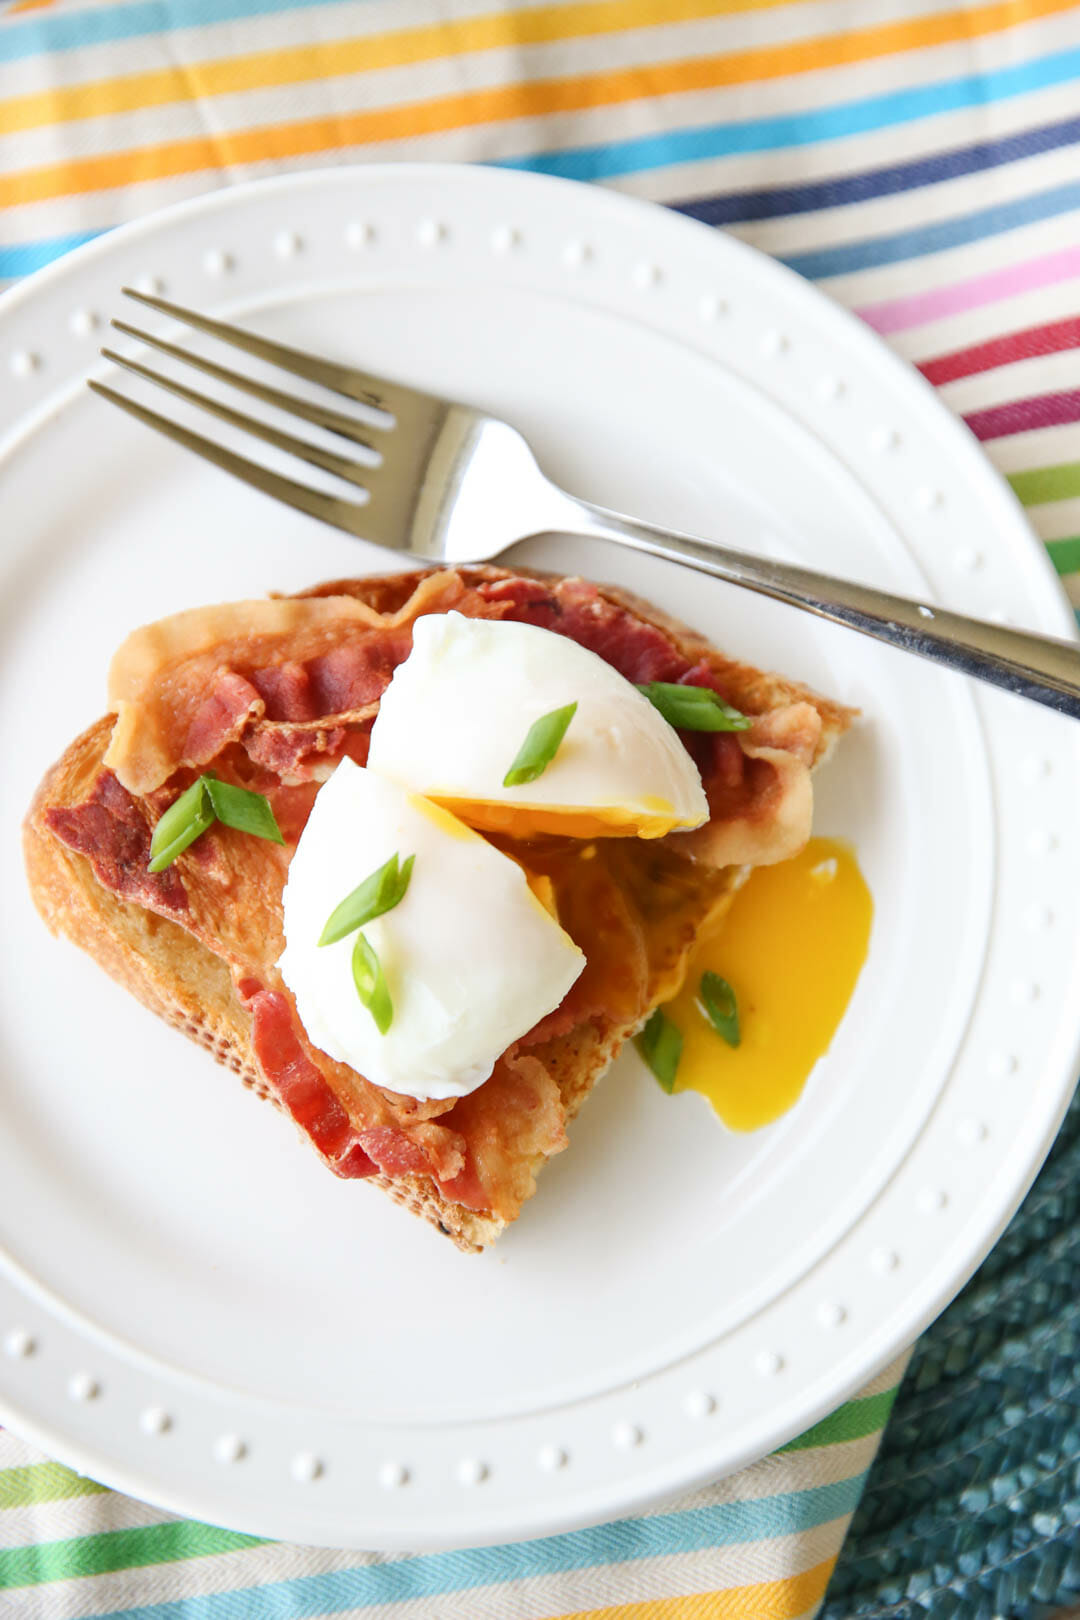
[[361, 53], [536, 99], [771, 1600]]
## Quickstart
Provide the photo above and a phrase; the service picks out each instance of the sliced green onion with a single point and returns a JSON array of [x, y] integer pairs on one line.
[[205, 802], [540, 746], [181, 824], [371, 984], [660, 1044], [718, 1000], [693, 708], [240, 808], [379, 893]]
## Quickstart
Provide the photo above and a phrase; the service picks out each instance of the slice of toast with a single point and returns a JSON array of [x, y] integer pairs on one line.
[[185, 982]]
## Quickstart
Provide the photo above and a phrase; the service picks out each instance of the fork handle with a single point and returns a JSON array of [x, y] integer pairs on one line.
[[1042, 668]]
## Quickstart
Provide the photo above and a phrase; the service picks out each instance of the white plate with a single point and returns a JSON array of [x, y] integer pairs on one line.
[[275, 1350]]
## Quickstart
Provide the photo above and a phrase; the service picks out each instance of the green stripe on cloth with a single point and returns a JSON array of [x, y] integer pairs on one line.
[[1040, 484], [42, 1482], [113, 1550], [1065, 554], [853, 1421]]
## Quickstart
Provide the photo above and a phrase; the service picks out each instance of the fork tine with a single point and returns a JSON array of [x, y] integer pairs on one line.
[[323, 416], [341, 514], [314, 454], [375, 392]]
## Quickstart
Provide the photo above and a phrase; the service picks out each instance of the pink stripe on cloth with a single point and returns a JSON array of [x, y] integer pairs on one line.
[[898, 314], [1024, 415]]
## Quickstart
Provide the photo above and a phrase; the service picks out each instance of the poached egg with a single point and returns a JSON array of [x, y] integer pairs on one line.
[[471, 957], [458, 709]]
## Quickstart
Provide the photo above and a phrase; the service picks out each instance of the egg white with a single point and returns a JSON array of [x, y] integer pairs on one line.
[[457, 710], [472, 960]]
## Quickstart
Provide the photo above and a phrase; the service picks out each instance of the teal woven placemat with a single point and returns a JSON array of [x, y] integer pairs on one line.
[[973, 1509]]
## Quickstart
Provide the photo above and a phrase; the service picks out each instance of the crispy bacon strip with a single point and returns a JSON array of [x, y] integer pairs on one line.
[[301, 1087], [161, 676]]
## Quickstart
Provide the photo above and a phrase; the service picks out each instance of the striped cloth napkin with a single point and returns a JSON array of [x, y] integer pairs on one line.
[[918, 159], [758, 1546]]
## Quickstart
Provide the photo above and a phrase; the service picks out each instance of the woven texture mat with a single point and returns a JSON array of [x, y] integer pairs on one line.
[[973, 1509]]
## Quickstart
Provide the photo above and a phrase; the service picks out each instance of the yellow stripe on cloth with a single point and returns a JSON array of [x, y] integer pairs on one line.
[[536, 99], [360, 53], [771, 1600]]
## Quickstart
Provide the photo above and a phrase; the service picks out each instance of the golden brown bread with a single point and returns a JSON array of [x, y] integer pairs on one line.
[[191, 988]]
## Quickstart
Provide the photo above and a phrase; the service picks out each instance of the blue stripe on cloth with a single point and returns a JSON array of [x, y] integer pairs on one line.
[[22, 258], [367, 1586], [935, 238], [801, 128], [80, 29], [742, 207]]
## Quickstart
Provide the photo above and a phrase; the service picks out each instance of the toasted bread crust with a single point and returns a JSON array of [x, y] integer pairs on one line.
[[191, 989]]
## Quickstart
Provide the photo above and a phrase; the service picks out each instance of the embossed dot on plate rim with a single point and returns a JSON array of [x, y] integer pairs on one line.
[[627, 1435], [699, 1404], [83, 322], [711, 306], [831, 1314], [931, 1200], [430, 232], [153, 286], [1024, 992], [1042, 841], [287, 244], [23, 363], [552, 1458], [19, 1343], [306, 1467], [505, 238], [830, 388], [647, 275], [155, 1420], [927, 498], [472, 1471], [885, 1260], [1035, 767], [359, 233], [82, 1387], [774, 342], [216, 262], [229, 1448], [970, 1132], [1038, 917], [967, 560], [999, 1064], [392, 1475], [884, 438], [768, 1363], [576, 253]]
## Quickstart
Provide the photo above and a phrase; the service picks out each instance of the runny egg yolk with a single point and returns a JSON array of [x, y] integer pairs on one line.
[[791, 946], [651, 817]]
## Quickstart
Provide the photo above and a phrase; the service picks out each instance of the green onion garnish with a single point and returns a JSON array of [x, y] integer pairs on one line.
[[693, 708], [181, 824], [540, 746], [379, 893], [718, 1001], [240, 808], [371, 984], [203, 803], [660, 1044]]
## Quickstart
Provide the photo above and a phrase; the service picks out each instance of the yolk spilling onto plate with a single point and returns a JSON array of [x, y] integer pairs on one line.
[[791, 946]]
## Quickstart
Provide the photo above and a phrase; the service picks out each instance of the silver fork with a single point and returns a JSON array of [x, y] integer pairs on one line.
[[451, 484]]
